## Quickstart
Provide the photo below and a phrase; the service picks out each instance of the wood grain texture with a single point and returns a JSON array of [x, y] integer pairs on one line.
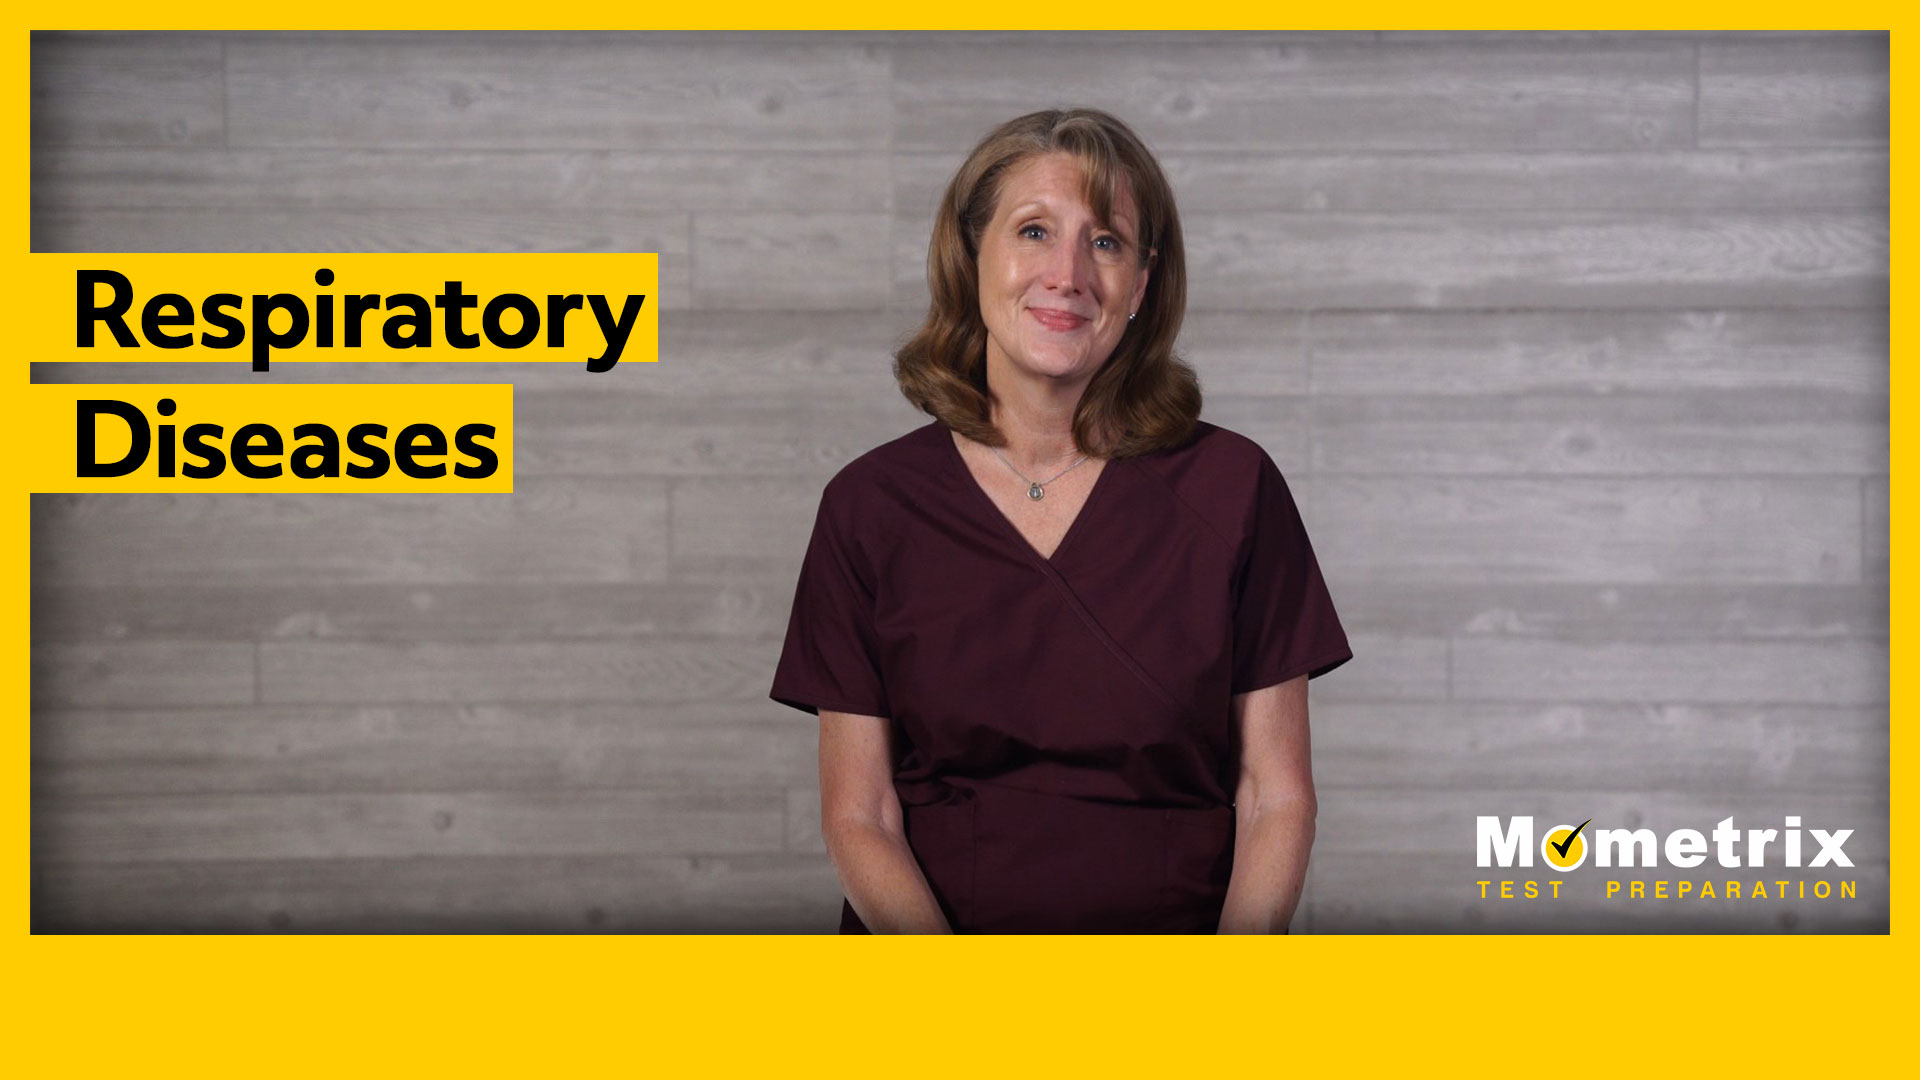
[[444, 894], [142, 673], [284, 825], [526, 91], [1789, 672], [492, 610], [1589, 530], [1657, 611], [1875, 521], [569, 672], [1815, 91], [588, 180], [1246, 352], [145, 90], [1515, 259], [1663, 352], [724, 527], [1769, 432], [666, 748], [1483, 746], [554, 530], [792, 260], [1514, 94]]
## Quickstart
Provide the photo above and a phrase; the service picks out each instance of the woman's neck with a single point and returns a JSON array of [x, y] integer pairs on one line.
[[1037, 422]]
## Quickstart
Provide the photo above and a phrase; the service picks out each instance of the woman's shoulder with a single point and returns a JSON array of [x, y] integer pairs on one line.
[[1218, 474], [1211, 457], [883, 470]]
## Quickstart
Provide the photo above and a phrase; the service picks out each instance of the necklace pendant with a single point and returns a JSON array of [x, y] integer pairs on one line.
[[1035, 492]]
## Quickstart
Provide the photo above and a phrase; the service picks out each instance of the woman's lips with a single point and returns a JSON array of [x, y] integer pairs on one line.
[[1057, 320]]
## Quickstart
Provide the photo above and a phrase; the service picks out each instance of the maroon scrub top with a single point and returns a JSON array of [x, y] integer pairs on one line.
[[1063, 742]]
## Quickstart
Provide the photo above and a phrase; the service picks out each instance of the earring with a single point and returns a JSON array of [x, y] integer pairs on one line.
[[1131, 314]]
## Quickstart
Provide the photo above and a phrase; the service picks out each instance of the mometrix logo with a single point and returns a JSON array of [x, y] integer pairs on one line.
[[1565, 847]]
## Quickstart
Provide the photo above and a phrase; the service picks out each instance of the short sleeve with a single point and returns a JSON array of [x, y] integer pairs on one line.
[[831, 656], [1284, 624]]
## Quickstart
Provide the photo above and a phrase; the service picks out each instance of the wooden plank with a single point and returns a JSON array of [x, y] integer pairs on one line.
[[1478, 353], [474, 611], [416, 748], [1481, 746], [1753, 431], [1387, 667], [1207, 182], [551, 530], [660, 894], [1225, 95], [1532, 259], [571, 673], [1654, 611], [804, 815], [342, 179], [1571, 37], [780, 261], [1246, 352], [1874, 536], [1805, 672], [524, 91], [142, 674], [1463, 529], [1364, 894], [169, 230], [174, 828], [583, 433], [1827, 90], [128, 90], [724, 527]]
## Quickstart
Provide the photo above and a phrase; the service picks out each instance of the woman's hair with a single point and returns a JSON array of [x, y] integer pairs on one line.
[[1144, 398]]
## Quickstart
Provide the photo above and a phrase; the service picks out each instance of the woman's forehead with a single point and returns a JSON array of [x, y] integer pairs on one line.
[[1059, 179]]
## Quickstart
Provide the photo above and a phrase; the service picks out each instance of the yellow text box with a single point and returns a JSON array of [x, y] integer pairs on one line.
[[224, 438], [595, 310]]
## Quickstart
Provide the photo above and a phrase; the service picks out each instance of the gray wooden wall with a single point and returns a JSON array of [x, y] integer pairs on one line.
[[1574, 348]]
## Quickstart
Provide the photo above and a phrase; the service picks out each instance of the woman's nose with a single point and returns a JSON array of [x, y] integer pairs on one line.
[[1068, 266]]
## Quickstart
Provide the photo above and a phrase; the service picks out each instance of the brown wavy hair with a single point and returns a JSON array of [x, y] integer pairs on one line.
[[1144, 397]]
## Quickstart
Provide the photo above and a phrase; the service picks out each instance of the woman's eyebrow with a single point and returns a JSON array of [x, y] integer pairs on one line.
[[1117, 223]]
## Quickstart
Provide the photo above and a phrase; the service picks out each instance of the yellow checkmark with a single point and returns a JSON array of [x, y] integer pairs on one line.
[[1565, 846]]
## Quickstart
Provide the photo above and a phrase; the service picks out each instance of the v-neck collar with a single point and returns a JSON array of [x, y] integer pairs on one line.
[[966, 478]]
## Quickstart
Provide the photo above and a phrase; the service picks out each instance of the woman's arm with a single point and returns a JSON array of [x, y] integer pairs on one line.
[[1274, 809], [865, 832]]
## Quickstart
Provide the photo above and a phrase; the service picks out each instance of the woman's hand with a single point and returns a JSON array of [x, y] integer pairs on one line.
[[865, 832], [1274, 810]]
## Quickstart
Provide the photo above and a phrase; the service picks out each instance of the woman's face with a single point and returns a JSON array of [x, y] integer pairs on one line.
[[1056, 284]]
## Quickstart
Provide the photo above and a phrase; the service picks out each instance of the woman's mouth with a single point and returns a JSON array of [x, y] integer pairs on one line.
[[1057, 320]]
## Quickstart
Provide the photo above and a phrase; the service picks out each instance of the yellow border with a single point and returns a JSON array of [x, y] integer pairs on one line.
[[770, 1006]]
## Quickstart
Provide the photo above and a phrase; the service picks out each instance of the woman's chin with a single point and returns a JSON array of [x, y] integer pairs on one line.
[[1060, 368]]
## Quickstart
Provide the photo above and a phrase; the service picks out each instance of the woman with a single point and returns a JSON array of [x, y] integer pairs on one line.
[[1059, 638]]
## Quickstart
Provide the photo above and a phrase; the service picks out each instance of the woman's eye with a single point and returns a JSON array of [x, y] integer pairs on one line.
[[1033, 232], [1106, 243]]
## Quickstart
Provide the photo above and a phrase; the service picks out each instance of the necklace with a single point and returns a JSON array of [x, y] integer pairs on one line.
[[1036, 489]]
